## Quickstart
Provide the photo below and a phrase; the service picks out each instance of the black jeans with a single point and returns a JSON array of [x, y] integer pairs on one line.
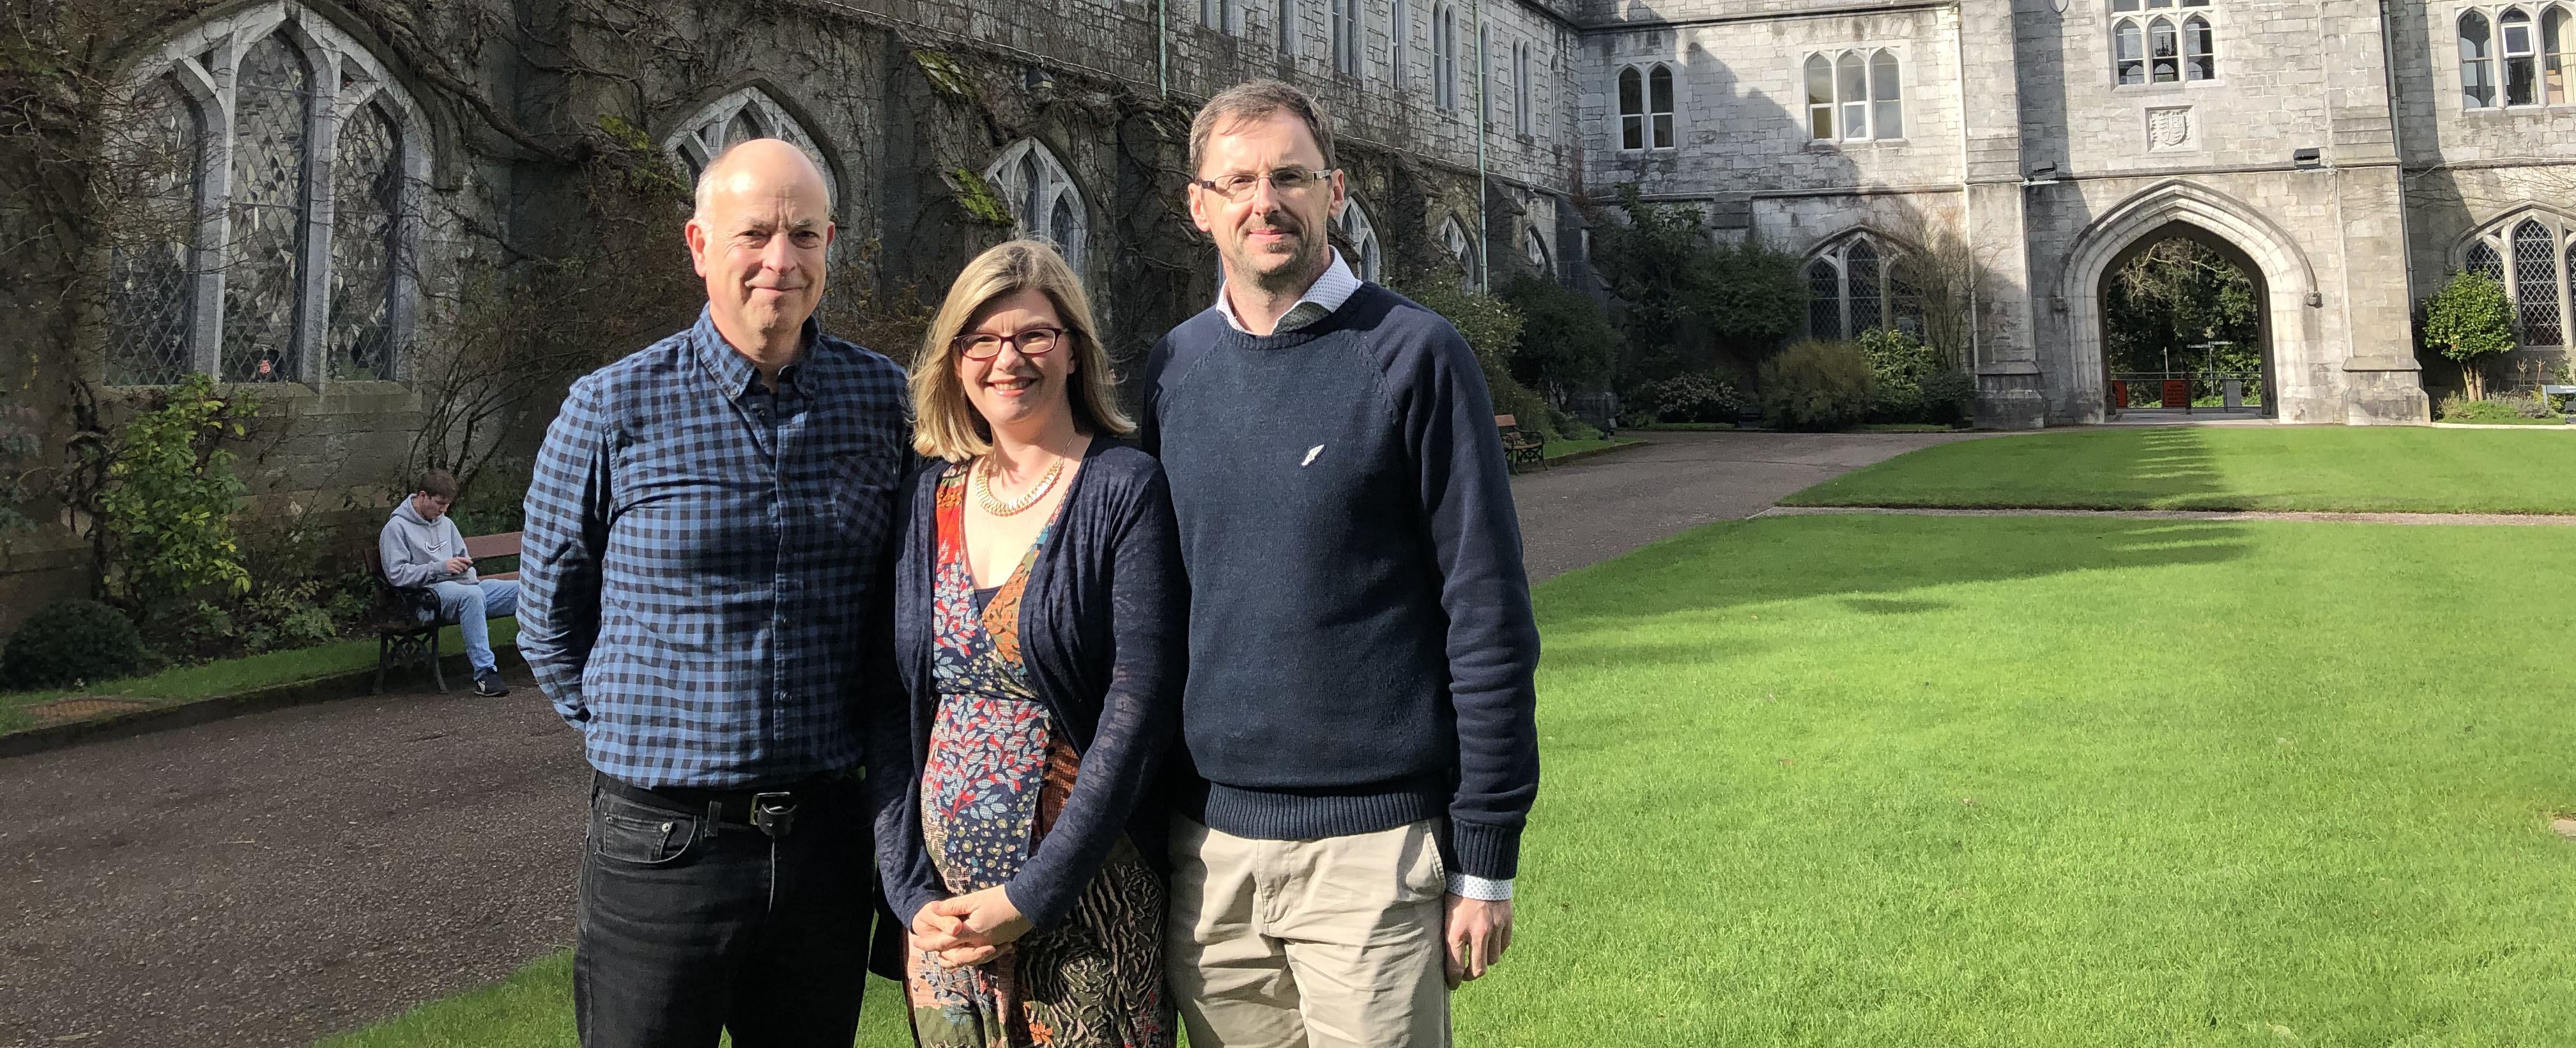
[[686, 930]]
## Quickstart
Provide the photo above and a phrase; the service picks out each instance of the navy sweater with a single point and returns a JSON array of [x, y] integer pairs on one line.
[[1100, 628], [1360, 640]]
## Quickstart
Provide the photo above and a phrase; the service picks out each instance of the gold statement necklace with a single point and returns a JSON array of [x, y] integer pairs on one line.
[[982, 478]]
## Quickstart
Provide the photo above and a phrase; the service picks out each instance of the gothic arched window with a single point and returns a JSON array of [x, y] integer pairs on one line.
[[2477, 62], [2159, 50], [271, 171], [1444, 56], [1537, 255], [1856, 285], [1646, 107], [2531, 258], [1365, 255], [1042, 197], [1462, 249], [740, 117]]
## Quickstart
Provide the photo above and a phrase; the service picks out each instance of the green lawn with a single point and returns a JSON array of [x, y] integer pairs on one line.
[[1885, 780], [233, 676], [1888, 780], [1557, 449], [533, 1009], [2339, 468]]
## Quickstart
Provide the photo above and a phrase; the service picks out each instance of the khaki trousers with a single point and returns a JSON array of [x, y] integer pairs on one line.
[[1308, 944]]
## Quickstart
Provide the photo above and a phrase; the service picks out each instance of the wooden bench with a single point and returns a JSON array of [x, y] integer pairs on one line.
[[403, 637], [1521, 447]]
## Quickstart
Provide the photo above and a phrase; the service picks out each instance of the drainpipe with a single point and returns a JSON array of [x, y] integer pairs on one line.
[[1484, 241], [1163, 47]]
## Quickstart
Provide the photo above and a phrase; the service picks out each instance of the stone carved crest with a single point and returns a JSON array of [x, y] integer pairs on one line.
[[2169, 128]]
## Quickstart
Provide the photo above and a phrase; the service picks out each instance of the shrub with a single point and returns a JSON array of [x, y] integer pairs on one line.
[[68, 641], [1696, 397], [170, 498], [2456, 408], [2467, 321], [1817, 385], [1914, 385]]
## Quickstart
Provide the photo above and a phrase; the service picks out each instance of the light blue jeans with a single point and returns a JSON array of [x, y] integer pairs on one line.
[[471, 604]]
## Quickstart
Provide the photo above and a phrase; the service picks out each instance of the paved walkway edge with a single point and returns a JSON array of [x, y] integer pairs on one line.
[[1554, 461], [2528, 519], [332, 688]]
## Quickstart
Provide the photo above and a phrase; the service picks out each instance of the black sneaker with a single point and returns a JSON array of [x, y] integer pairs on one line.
[[487, 683]]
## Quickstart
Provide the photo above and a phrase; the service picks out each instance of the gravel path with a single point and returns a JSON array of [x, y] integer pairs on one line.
[[273, 878]]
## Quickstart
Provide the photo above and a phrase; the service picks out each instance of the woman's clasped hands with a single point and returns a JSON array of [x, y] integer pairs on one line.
[[970, 929]]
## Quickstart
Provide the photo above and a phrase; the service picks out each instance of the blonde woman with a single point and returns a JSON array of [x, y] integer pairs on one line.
[[1038, 627]]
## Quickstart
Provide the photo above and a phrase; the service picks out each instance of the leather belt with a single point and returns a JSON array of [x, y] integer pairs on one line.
[[770, 809]]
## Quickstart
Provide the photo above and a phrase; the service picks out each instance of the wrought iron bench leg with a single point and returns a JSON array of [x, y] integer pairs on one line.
[[384, 655]]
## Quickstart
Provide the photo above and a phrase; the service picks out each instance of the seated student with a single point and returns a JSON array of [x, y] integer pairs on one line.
[[421, 547]]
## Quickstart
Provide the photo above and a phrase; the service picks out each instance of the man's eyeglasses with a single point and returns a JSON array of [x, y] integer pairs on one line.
[[1031, 342], [1288, 181]]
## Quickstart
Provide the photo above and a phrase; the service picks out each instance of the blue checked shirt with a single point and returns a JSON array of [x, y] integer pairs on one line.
[[701, 574]]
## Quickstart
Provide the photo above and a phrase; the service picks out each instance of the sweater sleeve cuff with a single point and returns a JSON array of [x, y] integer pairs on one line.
[[1470, 886], [1489, 852]]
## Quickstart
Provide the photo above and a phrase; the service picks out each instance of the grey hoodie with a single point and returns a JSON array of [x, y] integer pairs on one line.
[[415, 551]]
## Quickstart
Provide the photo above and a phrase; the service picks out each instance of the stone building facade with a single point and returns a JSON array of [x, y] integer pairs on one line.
[[341, 203]]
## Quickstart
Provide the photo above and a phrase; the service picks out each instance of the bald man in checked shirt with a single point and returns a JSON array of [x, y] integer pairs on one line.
[[707, 530]]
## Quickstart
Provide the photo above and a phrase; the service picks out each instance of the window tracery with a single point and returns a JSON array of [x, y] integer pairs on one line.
[[1042, 197], [2530, 256], [274, 205]]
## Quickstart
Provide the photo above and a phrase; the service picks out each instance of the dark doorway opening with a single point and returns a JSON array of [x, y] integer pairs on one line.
[[2186, 327]]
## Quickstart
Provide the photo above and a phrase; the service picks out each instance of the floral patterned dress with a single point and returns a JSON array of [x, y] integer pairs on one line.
[[998, 774]]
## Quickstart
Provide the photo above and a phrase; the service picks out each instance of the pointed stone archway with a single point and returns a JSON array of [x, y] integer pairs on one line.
[[2298, 377]]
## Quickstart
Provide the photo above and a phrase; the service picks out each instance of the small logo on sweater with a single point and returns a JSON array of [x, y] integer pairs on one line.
[[1310, 456]]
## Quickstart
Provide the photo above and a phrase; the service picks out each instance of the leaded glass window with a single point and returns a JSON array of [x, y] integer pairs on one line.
[[1046, 204], [2486, 261], [1361, 240], [1863, 295], [151, 286], [2535, 277], [263, 261], [740, 117], [1853, 286], [2534, 259], [367, 195], [1824, 299], [1453, 236], [2129, 51], [290, 262]]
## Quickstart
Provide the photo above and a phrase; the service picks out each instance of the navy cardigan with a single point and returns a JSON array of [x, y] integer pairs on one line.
[[1103, 618]]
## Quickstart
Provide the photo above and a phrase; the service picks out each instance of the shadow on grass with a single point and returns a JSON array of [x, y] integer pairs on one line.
[[1868, 560]]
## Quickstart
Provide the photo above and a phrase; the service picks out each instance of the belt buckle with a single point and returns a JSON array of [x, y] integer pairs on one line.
[[774, 813]]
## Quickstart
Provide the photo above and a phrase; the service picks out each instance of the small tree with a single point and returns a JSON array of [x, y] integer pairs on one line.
[[1750, 296], [1565, 343], [2469, 320]]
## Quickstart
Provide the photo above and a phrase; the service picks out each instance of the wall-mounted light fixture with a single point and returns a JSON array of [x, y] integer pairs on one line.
[[2308, 159]]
